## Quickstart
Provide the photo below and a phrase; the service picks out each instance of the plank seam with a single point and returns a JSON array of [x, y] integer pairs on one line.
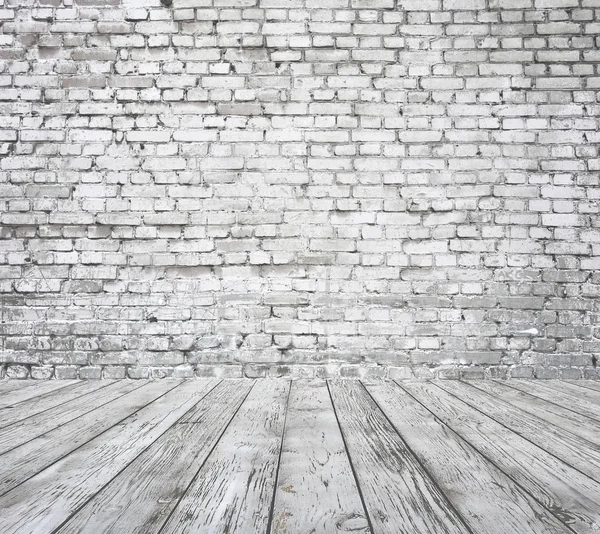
[[543, 421], [17, 404], [83, 444], [193, 479], [506, 384], [69, 421], [272, 507], [517, 433], [360, 493], [555, 403], [585, 384], [110, 382], [425, 470], [477, 451], [57, 529]]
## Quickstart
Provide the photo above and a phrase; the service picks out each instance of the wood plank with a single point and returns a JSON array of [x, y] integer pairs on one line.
[[233, 490], [21, 432], [568, 402], [571, 389], [399, 495], [8, 416], [43, 387], [590, 384], [12, 385], [557, 416], [567, 493], [143, 495], [25, 461], [316, 491], [501, 507], [571, 449], [47, 500]]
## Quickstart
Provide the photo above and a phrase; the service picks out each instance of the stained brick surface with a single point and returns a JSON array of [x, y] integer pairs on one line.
[[299, 187]]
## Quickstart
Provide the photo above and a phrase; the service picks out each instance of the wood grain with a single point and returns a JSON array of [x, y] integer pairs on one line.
[[9, 416], [316, 491], [233, 491], [13, 399], [142, 496], [42, 435], [576, 391], [25, 461], [12, 385], [70, 482], [501, 507], [411, 501], [306, 457], [571, 449], [590, 384], [557, 416], [23, 431], [566, 400], [571, 496]]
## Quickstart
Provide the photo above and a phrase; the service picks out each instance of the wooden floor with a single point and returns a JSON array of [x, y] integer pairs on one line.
[[273, 456]]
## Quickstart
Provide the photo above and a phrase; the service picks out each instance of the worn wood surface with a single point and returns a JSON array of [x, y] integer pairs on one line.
[[13, 399], [20, 463], [570, 495], [153, 483], [316, 491], [501, 507], [554, 414], [279, 457], [71, 481], [12, 385], [574, 390], [565, 399], [9, 416], [589, 384], [571, 449], [25, 430], [233, 491], [412, 501]]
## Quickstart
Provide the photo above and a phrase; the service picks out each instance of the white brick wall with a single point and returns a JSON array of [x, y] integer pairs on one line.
[[299, 187]]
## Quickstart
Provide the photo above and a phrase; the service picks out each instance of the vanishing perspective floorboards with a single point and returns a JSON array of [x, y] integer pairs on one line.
[[295, 457]]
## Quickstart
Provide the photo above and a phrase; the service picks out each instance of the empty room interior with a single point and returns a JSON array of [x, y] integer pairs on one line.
[[299, 266]]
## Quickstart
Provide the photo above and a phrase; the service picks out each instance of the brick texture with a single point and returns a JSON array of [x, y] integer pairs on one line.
[[299, 188]]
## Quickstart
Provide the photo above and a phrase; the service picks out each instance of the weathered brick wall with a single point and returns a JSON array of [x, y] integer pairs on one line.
[[304, 187]]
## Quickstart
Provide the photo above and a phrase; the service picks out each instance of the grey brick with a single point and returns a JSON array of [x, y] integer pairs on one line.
[[292, 189]]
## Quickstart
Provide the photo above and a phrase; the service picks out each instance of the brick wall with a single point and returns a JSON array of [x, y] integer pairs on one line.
[[299, 187]]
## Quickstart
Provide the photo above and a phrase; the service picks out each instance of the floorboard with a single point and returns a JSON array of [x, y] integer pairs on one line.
[[34, 406], [573, 450], [14, 399], [271, 456], [70, 482], [572, 389], [567, 400], [26, 454], [153, 483], [316, 491], [557, 416], [570, 495], [501, 507], [20, 432], [411, 502], [13, 385], [589, 384], [233, 490]]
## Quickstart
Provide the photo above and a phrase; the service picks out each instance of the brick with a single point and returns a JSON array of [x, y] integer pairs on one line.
[[225, 186]]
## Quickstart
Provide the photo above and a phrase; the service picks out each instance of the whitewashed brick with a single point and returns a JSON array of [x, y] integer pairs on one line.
[[337, 179]]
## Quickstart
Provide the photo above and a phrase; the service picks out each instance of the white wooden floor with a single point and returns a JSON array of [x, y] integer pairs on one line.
[[273, 456]]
